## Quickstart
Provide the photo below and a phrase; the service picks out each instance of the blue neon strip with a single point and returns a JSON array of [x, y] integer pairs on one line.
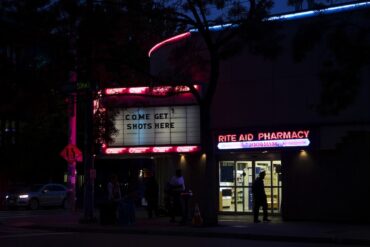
[[304, 14], [310, 13], [216, 27]]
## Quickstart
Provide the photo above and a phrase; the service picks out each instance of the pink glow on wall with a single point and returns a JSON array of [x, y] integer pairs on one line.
[[155, 91], [147, 150], [169, 41]]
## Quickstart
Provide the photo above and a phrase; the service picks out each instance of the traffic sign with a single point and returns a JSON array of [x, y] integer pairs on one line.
[[71, 153]]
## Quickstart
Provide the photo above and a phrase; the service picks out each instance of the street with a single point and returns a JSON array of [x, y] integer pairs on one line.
[[14, 231], [63, 239], [20, 213]]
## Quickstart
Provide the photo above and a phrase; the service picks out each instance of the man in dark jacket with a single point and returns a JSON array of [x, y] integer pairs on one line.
[[259, 197]]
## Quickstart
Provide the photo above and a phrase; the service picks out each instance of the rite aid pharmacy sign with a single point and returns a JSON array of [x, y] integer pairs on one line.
[[264, 139], [155, 126]]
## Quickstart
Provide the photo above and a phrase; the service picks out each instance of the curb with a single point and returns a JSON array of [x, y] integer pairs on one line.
[[203, 234]]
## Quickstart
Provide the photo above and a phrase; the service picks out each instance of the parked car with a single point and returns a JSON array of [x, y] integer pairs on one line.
[[37, 195]]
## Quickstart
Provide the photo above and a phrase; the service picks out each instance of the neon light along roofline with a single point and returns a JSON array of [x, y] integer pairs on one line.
[[285, 17]]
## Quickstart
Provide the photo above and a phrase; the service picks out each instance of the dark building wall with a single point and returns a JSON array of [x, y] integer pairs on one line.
[[332, 182], [257, 91], [328, 185]]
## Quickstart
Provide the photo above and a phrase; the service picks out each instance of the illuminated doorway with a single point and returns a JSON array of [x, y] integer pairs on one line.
[[235, 184]]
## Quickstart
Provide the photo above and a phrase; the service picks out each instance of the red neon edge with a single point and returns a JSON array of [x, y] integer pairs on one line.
[[137, 90], [150, 149], [168, 41]]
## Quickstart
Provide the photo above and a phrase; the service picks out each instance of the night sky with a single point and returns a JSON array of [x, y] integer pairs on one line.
[[280, 6]]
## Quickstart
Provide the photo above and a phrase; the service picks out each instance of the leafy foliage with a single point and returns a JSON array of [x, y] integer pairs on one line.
[[104, 42]]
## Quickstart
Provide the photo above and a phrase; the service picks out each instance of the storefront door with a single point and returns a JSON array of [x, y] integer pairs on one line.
[[235, 184]]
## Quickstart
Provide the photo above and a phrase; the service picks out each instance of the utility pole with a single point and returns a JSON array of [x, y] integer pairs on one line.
[[89, 171], [72, 133]]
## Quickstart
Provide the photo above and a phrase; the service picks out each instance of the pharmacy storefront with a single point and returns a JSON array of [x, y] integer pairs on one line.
[[243, 155]]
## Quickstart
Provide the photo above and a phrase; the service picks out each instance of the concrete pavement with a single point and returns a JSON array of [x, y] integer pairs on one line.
[[240, 227]]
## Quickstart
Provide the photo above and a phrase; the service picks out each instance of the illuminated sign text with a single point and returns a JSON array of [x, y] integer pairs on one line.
[[272, 139], [168, 125], [142, 150]]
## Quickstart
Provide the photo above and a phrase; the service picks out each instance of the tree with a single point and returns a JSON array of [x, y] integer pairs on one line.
[[94, 39], [245, 22], [29, 81]]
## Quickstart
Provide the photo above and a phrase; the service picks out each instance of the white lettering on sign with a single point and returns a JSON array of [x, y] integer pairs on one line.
[[168, 149], [264, 144], [265, 136], [174, 125]]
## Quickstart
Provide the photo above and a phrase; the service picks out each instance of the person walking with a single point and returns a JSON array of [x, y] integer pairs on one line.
[[259, 198]]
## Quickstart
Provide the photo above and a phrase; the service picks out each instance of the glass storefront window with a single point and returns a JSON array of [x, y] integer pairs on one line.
[[276, 171], [227, 199], [235, 181], [227, 173]]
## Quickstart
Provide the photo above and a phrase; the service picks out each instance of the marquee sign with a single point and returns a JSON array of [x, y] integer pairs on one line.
[[157, 126], [266, 139], [146, 150]]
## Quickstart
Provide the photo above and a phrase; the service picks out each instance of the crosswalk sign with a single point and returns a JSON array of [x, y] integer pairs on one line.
[[71, 153]]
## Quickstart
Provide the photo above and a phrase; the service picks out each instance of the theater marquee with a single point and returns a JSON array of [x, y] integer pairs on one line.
[[156, 126], [265, 139]]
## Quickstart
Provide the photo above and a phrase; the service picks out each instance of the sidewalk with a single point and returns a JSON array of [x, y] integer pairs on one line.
[[239, 227]]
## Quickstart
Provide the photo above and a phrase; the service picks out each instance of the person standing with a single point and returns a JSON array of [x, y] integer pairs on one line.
[[114, 190], [177, 186], [259, 197], [109, 210], [131, 198], [151, 196]]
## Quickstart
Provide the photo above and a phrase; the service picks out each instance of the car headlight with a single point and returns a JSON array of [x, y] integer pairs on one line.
[[23, 196]]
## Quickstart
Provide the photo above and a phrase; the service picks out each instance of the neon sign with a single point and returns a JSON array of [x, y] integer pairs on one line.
[[272, 139], [169, 41], [147, 150], [151, 91]]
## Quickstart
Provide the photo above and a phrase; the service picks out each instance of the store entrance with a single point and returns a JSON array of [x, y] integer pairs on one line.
[[235, 184]]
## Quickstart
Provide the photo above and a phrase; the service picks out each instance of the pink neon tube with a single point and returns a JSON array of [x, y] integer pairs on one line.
[[168, 41]]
